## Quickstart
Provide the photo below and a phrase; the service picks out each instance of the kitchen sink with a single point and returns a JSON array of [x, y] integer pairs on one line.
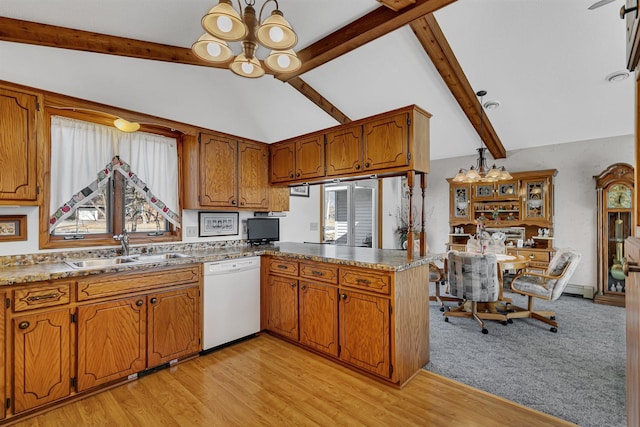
[[101, 262], [159, 257]]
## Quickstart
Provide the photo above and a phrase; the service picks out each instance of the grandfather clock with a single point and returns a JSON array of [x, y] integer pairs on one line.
[[615, 191]]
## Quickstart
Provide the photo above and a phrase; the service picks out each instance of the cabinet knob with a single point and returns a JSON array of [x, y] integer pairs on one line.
[[233, 202], [298, 174], [153, 300], [24, 325], [139, 303], [343, 296], [242, 203], [531, 256], [303, 287], [293, 285], [366, 165], [290, 175], [357, 167]]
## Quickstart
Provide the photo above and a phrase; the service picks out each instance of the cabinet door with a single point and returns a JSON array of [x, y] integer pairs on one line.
[[253, 175], [536, 203], [365, 332], [386, 143], [2, 356], [344, 151], [41, 345], [218, 171], [283, 156], [282, 306], [111, 341], [319, 317], [310, 157], [173, 325], [459, 199], [279, 199], [507, 190], [17, 146], [483, 191]]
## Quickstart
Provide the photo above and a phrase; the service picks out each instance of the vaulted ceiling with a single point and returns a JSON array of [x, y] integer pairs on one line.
[[545, 61]]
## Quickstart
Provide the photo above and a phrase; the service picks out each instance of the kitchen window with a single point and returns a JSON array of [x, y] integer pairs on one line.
[[104, 181], [350, 213]]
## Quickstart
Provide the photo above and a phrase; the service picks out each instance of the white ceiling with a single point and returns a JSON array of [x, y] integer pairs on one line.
[[544, 60]]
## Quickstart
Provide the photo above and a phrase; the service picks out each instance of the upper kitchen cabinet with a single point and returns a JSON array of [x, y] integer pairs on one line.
[[387, 144], [344, 151], [225, 173], [19, 111], [298, 159], [632, 20]]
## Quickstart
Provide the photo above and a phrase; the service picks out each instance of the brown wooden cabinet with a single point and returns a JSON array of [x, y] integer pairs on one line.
[[344, 151], [40, 350], [298, 159], [222, 172], [345, 312], [111, 341], [18, 146], [282, 305], [524, 202], [41, 357], [2, 356], [365, 331], [386, 144]]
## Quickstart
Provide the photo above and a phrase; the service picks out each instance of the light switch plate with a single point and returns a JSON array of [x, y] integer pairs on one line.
[[192, 231], [313, 226]]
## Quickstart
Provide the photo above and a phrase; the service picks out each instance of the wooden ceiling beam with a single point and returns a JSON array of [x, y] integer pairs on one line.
[[315, 97], [396, 4], [18, 31], [369, 27], [437, 47]]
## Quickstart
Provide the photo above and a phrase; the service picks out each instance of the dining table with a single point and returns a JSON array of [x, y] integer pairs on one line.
[[509, 262]]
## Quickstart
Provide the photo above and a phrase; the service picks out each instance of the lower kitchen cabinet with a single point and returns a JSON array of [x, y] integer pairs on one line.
[[41, 358], [374, 320], [111, 341], [365, 332], [173, 325], [61, 338], [318, 321], [282, 306]]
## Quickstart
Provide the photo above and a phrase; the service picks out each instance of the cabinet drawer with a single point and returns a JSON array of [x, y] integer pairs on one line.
[[535, 256], [115, 284], [370, 280], [283, 266], [322, 272], [29, 298]]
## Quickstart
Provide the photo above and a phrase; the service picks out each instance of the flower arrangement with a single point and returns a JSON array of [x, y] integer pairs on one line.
[[402, 231]]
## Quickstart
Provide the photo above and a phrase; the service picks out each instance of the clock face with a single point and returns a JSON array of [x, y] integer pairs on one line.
[[619, 196]]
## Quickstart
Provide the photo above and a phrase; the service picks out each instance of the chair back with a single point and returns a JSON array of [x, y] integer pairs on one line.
[[563, 263], [473, 276]]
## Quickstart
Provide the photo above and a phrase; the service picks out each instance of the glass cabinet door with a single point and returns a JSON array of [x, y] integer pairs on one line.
[[460, 200], [483, 191], [534, 200]]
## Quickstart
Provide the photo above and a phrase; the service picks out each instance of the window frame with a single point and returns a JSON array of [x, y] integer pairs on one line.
[[47, 241]]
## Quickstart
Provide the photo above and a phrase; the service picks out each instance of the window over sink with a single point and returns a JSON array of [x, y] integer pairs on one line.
[[104, 181]]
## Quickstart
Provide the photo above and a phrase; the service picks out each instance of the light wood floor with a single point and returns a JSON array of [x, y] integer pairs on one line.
[[266, 381]]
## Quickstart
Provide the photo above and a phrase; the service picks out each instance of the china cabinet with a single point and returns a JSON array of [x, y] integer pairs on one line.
[[524, 203], [614, 188]]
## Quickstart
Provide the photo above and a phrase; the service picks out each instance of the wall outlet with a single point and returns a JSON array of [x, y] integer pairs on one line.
[[192, 231]]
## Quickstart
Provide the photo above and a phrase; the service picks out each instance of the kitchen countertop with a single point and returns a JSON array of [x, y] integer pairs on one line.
[[50, 268]]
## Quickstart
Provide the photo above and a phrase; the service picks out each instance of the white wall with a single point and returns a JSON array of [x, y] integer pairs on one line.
[[574, 192], [302, 223]]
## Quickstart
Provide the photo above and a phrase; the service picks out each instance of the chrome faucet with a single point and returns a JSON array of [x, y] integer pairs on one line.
[[124, 241]]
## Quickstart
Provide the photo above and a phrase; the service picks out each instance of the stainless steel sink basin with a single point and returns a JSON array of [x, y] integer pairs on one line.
[[159, 257], [100, 262]]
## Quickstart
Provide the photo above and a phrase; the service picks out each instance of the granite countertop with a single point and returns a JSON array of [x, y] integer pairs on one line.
[[27, 269]]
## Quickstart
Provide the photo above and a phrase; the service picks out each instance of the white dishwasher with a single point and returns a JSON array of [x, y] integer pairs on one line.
[[231, 300]]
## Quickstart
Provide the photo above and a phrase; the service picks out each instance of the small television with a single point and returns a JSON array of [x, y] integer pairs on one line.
[[263, 230]]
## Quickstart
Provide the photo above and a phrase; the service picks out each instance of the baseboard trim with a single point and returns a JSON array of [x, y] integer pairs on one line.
[[584, 291]]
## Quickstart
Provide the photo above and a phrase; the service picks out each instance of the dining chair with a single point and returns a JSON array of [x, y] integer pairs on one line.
[[547, 286], [474, 278], [437, 277]]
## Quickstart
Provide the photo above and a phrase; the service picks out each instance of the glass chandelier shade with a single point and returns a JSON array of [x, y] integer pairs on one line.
[[224, 24], [480, 172]]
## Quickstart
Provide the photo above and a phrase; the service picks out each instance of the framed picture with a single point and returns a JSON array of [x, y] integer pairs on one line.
[[13, 227], [218, 223], [300, 191]]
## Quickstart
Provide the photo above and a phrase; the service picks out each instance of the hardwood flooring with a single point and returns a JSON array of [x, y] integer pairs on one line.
[[266, 381]]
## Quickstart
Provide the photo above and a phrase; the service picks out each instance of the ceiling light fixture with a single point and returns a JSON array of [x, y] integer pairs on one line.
[[480, 172], [125, 125], [223, 24], [491, 105], [617, 76]]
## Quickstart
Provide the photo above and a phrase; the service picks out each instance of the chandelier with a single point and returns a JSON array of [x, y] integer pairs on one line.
[[480, 172], [223, 24]]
